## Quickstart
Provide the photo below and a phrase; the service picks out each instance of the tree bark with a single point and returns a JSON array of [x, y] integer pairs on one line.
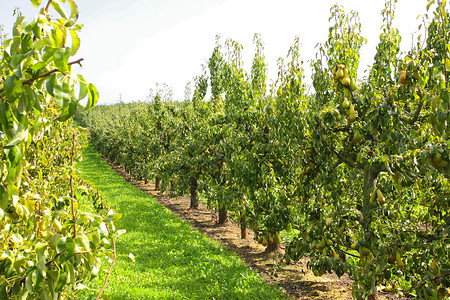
[[223, 214], [272, 247], [244, 233], [157, 183], [370, 181], [194, 194]]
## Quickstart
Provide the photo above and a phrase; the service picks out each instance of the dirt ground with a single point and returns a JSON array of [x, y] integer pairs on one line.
[[298, 281]]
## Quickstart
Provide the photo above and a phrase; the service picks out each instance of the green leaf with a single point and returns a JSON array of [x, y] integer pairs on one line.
[[61, 245], [68, 267], [60, 59], [6, 117], [12, 86], [61, 281], [70, 246], [83, 88], [60, 9], [68, 111], [16, 60], [82, 241], [74, 9], [445, 96], [54, 240], [4, 199], [21, 135], [14, 48], [62, 93], [97, 265], [29, 282], [41, 257], [75, 42], [3, 292], [50, 84], [44, 295], [93, 96], [36, 3]]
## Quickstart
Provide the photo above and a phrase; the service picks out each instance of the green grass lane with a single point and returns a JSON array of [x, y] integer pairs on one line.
[[173, 261]]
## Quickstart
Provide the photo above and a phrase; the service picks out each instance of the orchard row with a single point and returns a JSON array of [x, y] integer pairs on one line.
[[54, 226], [357, 169]]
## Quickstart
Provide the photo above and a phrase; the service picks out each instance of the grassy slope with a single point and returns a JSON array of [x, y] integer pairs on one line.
[[173, 261]]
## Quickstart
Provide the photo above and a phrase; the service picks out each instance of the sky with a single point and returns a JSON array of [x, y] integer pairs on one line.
[[130, 45]]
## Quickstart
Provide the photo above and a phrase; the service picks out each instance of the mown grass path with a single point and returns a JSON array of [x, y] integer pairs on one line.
[[173, 261]]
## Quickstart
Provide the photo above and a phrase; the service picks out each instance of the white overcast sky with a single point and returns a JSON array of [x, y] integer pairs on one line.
[[129, 45]]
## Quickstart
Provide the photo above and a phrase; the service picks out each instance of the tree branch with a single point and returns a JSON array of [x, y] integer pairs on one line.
[[46, 74], [72, 198], [48, 5], [110, 267]]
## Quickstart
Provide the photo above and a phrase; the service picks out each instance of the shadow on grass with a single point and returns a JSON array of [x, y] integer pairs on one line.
[[173, 261]]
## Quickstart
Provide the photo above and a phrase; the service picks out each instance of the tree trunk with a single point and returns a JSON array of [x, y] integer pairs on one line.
[[373, 296], [194, 194], [223, 214], [157, 183], [244, 233], [370, 181], [272, 247]]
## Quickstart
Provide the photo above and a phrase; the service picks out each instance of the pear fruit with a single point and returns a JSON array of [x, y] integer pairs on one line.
[[270, 239], [264, 241], [372, 196], [402, 78], [380, 197], [365, 251], [351, 117], [321, 245], [334, 253], [339, 74], [57, 225], [277, 238], [345, 103], [345, 81], [398, 259], [357, 137], [328, 221], [353, 84]]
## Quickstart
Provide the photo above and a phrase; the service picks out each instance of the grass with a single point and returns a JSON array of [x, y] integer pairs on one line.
[[173, 261]]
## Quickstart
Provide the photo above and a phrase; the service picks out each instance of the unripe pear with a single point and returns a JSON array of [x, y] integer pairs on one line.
[[339, 74], [270, 239], [402, 78], [277, 238], [264, 241], [400, 263], [345, 81], [57, 225], [380, 197], [345, 103], [372, 196], [351, 116], [334, 253], [347, 93], [353, 84]]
